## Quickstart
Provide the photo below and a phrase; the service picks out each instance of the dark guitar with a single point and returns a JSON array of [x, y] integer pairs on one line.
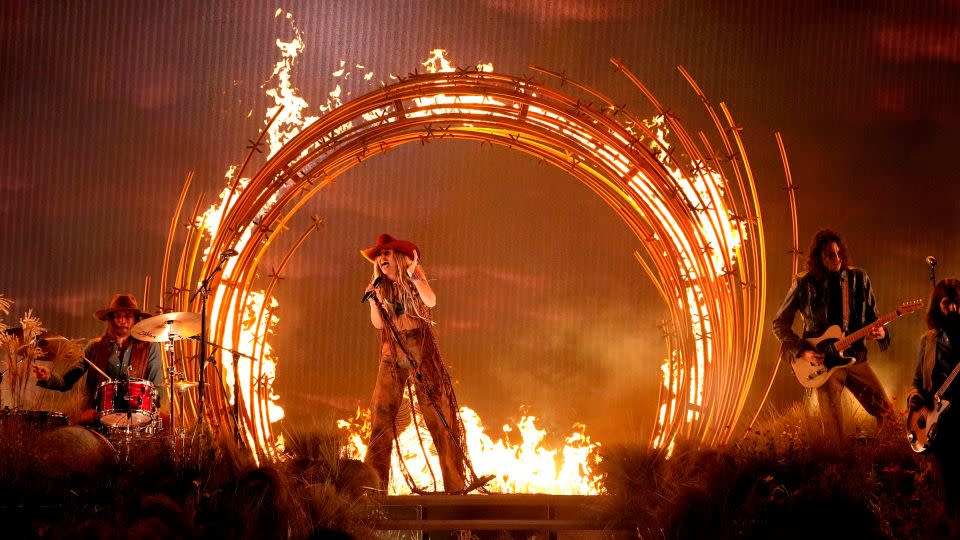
[[832, 344], [922, 422]]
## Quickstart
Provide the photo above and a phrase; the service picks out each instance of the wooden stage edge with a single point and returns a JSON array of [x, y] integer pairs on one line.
[[496, 512]]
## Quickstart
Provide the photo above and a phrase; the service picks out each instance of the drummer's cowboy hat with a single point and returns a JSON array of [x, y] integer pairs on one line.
[[385, 241], [121, 302]]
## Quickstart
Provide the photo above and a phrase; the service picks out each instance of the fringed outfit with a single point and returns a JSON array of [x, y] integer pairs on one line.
[[433, 387]]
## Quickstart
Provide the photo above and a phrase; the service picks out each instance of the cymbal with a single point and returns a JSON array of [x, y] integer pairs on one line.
[[183, 386], [179, 324]]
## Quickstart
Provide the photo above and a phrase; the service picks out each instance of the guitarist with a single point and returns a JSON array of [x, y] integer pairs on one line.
[[831, 292], [938, 357]]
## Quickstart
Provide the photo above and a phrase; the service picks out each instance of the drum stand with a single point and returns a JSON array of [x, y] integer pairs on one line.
[[235, 410], [125, 434], [172, 374], [167, 328]]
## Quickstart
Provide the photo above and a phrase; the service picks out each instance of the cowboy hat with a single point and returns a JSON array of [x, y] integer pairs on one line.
[[121, 302], [385, 241]]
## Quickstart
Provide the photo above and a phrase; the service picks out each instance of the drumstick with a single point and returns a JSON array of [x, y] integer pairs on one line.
[[94, 366]]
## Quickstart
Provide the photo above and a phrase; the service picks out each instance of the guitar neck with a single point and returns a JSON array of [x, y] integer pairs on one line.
[[861, 333]]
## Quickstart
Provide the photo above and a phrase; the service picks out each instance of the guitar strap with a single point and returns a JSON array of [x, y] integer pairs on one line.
[[845, 293], [929, 357]]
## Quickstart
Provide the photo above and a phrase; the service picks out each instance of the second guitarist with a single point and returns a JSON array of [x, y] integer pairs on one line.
[[939, 356], [831, 292]]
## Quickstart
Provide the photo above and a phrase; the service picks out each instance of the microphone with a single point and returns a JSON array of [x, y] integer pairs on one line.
[[229, 253], [931, 260], [368, 294]]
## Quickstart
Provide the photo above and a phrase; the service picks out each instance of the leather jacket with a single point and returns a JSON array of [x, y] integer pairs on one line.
[[944, 360], [808, 295]]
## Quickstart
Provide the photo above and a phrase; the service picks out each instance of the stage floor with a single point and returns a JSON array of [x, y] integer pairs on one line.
[[537, 515]]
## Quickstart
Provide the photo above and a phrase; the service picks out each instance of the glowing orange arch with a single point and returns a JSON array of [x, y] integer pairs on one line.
[[693, 209]]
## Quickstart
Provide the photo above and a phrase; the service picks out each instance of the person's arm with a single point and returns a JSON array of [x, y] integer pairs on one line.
[[61, 382], [919, 396], [424, 289], [375, 317], [419, 279], [783, 322], [870, 314]]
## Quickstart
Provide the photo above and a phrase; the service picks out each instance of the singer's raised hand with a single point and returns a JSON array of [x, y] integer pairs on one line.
[[412, 269]]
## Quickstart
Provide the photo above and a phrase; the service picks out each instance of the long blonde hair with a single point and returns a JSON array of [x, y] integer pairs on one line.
[[401, 292]]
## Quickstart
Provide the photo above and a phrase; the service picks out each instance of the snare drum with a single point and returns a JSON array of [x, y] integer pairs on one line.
[[126, 403]]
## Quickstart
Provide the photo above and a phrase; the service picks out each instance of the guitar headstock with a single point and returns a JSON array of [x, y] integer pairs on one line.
[[910, 307]]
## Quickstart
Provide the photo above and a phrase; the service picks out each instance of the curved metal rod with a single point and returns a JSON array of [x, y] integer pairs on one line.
[[672, 217]]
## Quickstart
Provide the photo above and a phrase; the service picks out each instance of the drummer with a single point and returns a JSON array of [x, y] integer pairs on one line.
[[116, 353]]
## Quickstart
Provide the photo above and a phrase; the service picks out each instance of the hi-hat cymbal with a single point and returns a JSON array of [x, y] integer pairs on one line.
[[183, 386], [167, 326]]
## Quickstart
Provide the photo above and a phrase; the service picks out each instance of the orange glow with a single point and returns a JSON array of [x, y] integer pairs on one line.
[[691, 208], [528, 465]]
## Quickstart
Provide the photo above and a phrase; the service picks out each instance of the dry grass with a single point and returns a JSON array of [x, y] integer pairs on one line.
[[60, 486], [780, 481]]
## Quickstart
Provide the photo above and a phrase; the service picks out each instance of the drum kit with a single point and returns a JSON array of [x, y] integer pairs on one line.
[[126, 411]]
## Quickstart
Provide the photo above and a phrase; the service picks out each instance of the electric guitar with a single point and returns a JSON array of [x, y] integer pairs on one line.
[[922, 423], [832, 344]]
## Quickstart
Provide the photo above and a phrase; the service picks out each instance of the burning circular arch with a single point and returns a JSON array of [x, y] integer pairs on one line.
[[695, 212]]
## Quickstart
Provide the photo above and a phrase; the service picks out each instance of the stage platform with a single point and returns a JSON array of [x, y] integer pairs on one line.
[[488, 516]]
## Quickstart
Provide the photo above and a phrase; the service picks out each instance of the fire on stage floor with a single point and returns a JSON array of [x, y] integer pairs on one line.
[[537, 515]]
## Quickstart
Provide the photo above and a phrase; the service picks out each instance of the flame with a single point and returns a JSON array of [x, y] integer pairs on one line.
[[438, 63], [710, 226], [286, 97], [256, 377], [525, 467], [528, 465], [722, 236], [713, 227]]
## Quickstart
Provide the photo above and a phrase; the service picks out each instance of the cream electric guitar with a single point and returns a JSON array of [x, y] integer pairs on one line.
[[832, 344], [922, 423]]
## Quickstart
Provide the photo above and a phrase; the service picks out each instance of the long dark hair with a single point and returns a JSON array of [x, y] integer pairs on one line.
[[822, 239], [949, 287]]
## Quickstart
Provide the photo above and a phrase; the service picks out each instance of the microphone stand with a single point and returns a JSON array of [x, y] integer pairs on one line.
[[479, 482], [204, 291], [235, 410], [932, 263]]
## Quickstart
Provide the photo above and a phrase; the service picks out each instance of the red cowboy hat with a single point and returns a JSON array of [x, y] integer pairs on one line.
[[121, 302], [385, 241]]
